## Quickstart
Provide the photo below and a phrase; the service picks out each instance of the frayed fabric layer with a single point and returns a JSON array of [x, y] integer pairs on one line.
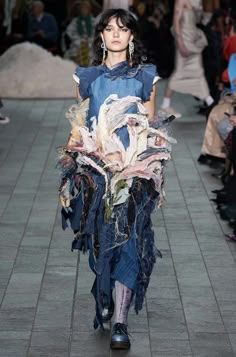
[[110, 185]]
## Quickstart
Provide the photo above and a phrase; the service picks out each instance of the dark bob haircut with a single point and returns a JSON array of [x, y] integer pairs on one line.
[[128, 20]]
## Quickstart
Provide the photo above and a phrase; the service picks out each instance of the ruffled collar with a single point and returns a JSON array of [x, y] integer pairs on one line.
[[121, 70]]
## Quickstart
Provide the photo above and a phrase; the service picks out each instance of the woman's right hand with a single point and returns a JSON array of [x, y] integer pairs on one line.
[[182, 49]]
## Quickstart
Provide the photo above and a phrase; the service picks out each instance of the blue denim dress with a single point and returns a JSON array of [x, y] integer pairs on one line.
[[130, 262]]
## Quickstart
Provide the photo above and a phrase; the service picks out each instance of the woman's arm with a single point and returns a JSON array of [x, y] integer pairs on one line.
[[150, 105], [178, 11], [78, 93]]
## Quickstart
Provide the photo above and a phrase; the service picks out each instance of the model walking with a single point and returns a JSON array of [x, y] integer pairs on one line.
[[112, 170]]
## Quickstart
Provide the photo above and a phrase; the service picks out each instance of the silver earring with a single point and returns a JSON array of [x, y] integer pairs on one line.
[[131, 52], [103, 46]]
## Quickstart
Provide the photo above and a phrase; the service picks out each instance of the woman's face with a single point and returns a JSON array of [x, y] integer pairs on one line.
[[116, 36]]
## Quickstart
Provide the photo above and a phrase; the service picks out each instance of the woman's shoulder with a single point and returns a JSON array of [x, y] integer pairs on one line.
[[142, 70], [84, 77], [148, 68], [89, 71], [146, 72], [148, 76], [88, 74]]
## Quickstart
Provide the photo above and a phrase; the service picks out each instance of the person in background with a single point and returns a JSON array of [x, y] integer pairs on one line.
[[229, 48], [3, 119], [116, 4], [79, 34], [212, 25], [42, 27], [188, 76]]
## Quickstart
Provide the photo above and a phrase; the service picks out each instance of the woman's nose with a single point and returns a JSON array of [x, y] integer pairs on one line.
[[116, 33]]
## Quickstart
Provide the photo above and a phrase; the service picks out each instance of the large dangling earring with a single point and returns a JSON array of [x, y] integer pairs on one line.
[[131, 52], [103, 46]]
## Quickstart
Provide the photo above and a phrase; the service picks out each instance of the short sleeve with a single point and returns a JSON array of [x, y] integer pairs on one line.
[[81, 76], [148, 77], [84, 76]]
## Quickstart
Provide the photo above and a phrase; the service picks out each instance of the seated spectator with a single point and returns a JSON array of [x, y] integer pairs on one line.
[[79, 35], [229, 49], [42, 27], [212, 151]]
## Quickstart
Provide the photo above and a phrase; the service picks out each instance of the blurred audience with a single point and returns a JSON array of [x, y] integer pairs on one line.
[[42, 27], [155, 34], [78, 36], [213, 27], [212, 151], [115, 4], [229, 49], [226, 196]]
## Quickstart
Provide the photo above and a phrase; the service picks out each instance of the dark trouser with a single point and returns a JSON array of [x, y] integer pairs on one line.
[[43, 42]]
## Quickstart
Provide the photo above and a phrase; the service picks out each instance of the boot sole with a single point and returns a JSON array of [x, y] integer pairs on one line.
[[118, 345]]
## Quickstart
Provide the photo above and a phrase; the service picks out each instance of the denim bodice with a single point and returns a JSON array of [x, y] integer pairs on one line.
[[98, 82]]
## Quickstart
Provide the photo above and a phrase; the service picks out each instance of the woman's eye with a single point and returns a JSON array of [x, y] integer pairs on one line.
[[124, 29], [108, 29]]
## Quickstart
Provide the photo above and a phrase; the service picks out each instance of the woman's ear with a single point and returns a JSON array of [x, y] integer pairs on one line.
[[102, 37], [131, 38]]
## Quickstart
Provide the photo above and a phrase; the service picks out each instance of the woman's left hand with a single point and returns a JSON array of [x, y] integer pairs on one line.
[[232, 119]]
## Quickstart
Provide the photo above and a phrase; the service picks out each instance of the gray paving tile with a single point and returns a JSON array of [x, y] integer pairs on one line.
[[19, 300], [170, 345], [211, 345], [30, 260], [38, 351], [219, 258], [57, 338], [94, 343], [138, 323], [84, 313], [185, 247], [10, 348], [191, 273], [164, 292], [62, 257], [23, 283], [196, 291], [53, 314], [15, 335], [232, 337], [58, 284], [202, 314], [17, 319], [2, 292], [35, 240], [166, 315], [228, 311]]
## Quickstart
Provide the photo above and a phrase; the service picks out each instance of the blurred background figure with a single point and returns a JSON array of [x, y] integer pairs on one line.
[[116, 4], [212, 25], [229, 49], [155, 22], [188, 76], [77, 38], [42, 27], [3, 119]]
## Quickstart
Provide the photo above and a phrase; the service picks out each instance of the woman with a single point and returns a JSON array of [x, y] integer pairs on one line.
[[112, 172], [188, 76]]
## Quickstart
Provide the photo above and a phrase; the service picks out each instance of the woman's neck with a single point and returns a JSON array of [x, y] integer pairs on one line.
[[114, 58]]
